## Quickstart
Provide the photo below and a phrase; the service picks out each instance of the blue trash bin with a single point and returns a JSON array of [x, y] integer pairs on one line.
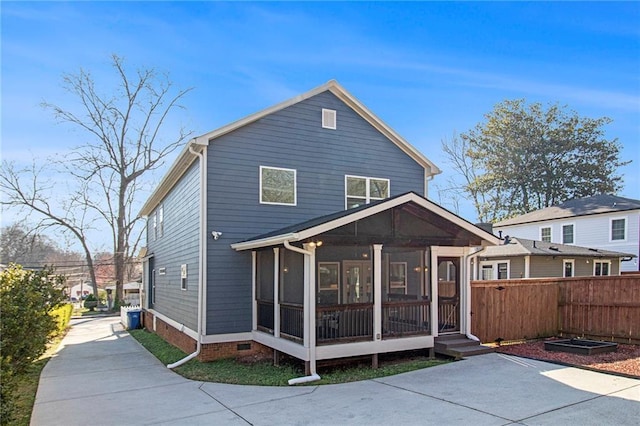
[[133, 318]]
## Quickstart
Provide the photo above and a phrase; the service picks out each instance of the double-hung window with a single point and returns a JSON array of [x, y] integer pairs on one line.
[[277, 186], [363, 190], [618, 229], [545, 234], [567, 234]]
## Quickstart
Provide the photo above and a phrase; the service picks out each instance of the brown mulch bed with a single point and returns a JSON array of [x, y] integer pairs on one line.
[[625, 361]]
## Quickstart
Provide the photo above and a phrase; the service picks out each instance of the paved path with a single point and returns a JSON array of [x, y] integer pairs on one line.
[[102, 376]]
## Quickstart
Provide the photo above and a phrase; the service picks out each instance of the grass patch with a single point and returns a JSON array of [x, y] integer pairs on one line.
[[26, 386], [264, 373]]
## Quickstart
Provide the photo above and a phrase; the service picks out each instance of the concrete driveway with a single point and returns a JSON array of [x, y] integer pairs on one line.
[[102, 376]]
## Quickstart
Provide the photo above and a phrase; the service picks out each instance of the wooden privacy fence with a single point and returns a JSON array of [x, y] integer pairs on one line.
[[595, 307]]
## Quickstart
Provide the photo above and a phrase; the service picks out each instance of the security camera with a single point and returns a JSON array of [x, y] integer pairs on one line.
[[216, 234]]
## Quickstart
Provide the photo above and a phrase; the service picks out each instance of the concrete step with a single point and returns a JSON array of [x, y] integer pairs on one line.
[[453, 343], [459, 346]]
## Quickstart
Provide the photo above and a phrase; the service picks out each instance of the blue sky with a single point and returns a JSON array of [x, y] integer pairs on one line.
[[427, 69]]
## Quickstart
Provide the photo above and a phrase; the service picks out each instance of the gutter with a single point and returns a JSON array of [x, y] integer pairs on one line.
[[312, 344], [201, 256]]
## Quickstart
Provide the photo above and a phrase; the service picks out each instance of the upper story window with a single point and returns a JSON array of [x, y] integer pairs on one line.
[[618, 229], [363, 190], [161, 221], [155, 225], [567, 234], [277, 186], [545, 234]]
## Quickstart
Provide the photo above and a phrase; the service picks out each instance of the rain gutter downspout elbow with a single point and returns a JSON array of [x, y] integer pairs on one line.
[[312, 352], [201, 256]]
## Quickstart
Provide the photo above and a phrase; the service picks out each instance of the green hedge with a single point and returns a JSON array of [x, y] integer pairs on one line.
[[27, 300]]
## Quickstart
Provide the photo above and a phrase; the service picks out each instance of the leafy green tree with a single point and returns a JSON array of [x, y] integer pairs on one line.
[[26, 301], [527, 157]]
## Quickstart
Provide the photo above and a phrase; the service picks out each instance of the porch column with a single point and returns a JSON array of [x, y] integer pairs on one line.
[[310, 303], [527, 266], [377, 291], [276, 292], [434, 291], [254, 295]]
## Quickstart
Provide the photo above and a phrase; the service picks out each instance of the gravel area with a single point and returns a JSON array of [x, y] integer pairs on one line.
[[625, 361]]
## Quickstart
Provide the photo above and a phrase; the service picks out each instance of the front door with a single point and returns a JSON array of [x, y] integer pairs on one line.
[[448, 295], [357, 282]]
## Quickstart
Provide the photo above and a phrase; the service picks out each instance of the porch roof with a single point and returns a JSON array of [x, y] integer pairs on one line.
[[409, 218]]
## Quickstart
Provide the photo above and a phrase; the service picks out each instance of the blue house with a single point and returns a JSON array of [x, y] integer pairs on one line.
[[305, 229]]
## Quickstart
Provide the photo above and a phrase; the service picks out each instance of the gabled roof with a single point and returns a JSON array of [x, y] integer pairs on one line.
[[578, 207], [524, 247], [319, 225], [186, 158]]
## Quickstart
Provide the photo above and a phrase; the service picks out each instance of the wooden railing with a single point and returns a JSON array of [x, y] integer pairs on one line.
[[292, 320], [344, 322], [405, 318], [265, 315]]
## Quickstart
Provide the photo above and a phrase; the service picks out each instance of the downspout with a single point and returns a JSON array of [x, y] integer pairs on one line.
[[312, 347], [201, 258], [468, 259]]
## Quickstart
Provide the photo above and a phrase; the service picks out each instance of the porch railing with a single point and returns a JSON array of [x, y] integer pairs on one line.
[[405, 318], [344, 322], [265, 315], [292, 320]]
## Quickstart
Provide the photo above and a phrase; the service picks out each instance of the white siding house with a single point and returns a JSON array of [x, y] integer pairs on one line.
[[605, 222]]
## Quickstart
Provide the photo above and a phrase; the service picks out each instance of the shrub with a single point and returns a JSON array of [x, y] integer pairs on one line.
[[90, 302], [62, 316], [26, 300]]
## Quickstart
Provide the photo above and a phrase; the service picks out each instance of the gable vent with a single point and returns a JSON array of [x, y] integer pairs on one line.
[[328, 118]]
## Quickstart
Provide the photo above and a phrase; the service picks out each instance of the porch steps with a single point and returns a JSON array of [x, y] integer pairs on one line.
[[459, 346]]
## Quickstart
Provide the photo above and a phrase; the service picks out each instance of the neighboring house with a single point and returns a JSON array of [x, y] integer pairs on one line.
[[522, 258], [80, 291], [604, 222], [130, 292], [304, 229]]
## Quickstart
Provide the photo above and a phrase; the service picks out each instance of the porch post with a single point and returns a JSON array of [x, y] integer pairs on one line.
[[527, 265], [276, 292], [310, 303], [254, 283], [434, 291], [377, 292]]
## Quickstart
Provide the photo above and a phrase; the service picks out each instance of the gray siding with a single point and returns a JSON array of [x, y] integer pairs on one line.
[[291, 138], [177, 246]]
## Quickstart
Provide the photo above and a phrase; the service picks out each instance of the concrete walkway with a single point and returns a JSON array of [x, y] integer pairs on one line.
[[102, 376]]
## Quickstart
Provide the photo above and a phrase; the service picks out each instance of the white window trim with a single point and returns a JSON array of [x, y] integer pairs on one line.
[[626, 228], [161, 221], [494, 266], [562, 232], [550, 232], [595, 262], [326, 124], [404, 284], [295, 186], [155, 225], [368, 198], [573, 267]]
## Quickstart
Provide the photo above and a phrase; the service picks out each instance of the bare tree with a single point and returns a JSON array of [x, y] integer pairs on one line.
[[456, 151], [125, 142]]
